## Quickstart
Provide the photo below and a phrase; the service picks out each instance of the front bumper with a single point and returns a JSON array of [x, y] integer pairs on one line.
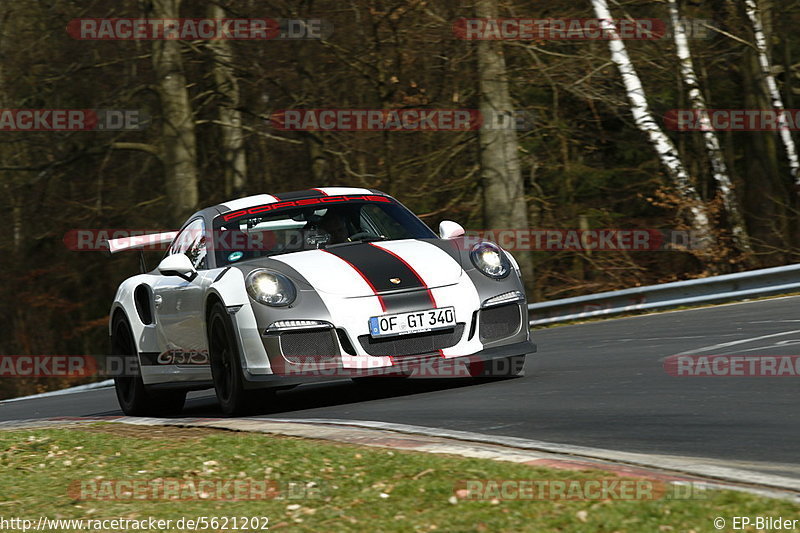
[[427, 366]]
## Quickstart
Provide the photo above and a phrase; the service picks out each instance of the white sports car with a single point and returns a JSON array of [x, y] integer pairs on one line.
[[269, 291]]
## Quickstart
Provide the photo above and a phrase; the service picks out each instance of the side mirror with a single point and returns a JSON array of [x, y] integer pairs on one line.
[[177, 265], [449, 229]]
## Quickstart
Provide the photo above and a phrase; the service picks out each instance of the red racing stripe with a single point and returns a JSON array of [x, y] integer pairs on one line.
[[371, 286], [409, 267]]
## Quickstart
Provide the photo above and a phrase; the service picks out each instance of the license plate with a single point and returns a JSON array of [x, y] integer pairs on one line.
[[412, 322]]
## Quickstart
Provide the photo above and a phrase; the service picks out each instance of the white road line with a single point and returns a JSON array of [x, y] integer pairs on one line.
[[714, 347], [767, 349]]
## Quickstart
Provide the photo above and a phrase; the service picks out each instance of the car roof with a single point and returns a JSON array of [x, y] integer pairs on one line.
[[260, 199]]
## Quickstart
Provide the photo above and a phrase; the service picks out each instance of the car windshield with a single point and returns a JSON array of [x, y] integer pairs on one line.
[[293, 229]]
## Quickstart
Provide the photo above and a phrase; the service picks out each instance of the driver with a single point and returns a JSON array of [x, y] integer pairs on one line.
[[333, 222]]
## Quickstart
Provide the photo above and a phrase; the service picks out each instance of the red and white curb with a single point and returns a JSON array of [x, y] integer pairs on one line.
[[670, 469]]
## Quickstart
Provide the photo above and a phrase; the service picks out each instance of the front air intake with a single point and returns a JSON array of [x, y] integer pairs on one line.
[[499, 322], [309, 345]]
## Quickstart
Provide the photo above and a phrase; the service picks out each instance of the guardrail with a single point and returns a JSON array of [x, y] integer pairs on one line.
[[753, 283]]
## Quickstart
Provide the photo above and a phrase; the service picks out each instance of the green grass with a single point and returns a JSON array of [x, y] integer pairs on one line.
[[352, 488]]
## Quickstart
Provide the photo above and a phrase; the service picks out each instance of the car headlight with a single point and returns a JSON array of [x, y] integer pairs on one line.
[[490, 260], [270, 288]]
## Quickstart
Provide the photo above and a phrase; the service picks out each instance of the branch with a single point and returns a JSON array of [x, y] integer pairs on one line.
[[141, 147], [251, 130]]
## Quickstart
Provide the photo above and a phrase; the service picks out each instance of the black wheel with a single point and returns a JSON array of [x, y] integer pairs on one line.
[[507, 367], [226, 368], [134, 398]]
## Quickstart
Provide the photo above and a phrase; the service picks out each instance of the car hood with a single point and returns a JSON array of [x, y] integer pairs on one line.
[[364, 269]]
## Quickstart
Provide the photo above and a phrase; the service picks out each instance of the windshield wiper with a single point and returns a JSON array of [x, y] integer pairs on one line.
[[370, 238]]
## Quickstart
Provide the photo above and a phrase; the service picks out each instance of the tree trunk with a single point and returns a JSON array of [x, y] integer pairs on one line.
[[11, 183], [766, 185], [645, 121], [753, 13], [320, 167], [718, 168], [178, 132], [504, 201], [233, 151]]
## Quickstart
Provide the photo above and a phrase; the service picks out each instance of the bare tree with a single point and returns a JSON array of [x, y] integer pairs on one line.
[[503, 187], [179, 144], [718, 167], [6, 150], [644, 120], [230, 117], [754, 14]]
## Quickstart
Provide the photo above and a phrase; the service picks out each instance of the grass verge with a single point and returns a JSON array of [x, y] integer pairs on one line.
[[323, 486]]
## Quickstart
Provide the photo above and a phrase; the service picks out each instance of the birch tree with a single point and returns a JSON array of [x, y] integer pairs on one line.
[[230, 117], [754, 14], [178, 141], [644, 120], [503, 186], [718, 167]]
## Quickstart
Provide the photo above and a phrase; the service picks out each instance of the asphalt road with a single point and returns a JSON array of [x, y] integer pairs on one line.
[[599, 384]]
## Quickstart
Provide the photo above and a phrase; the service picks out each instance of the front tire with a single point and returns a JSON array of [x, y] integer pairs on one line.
[[133, 397], [226, 368]]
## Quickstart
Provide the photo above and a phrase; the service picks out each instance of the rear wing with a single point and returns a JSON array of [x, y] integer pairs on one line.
[[139, 242]]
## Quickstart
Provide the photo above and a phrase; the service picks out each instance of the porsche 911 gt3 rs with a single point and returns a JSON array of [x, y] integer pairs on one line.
[[269, 291]]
